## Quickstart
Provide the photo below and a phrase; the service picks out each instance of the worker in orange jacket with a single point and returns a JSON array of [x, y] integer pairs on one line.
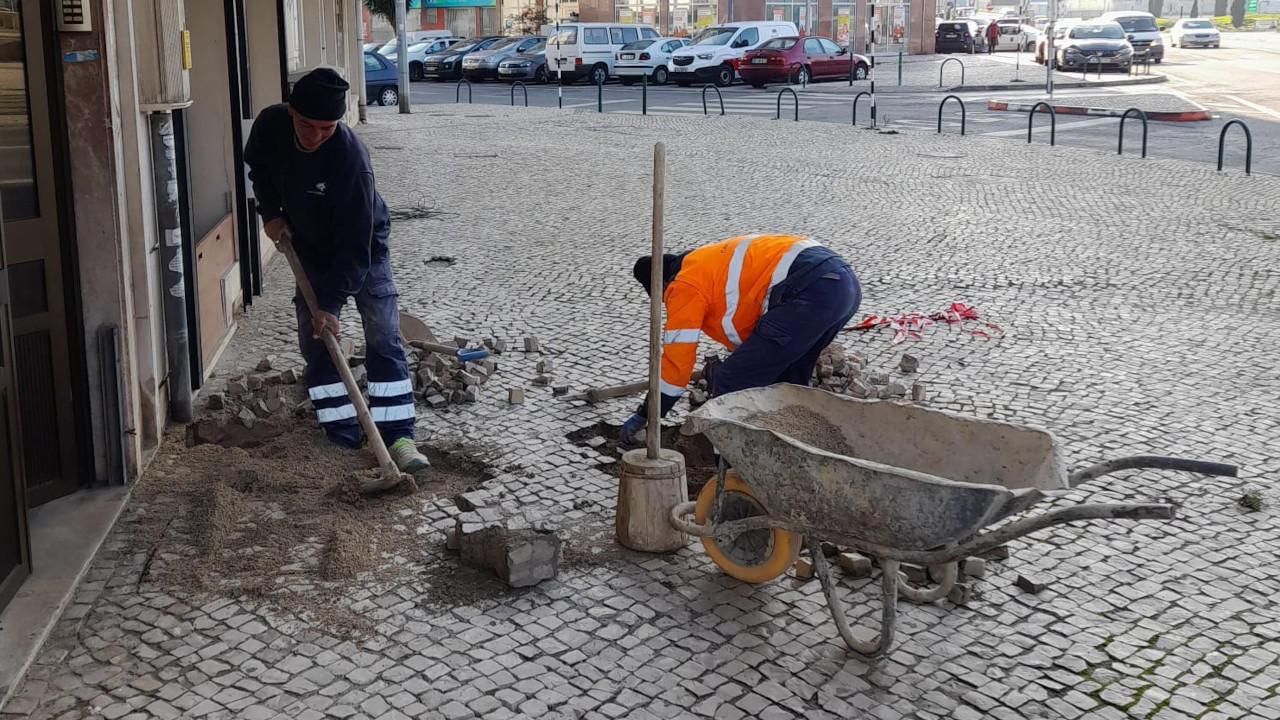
[[775, 301]]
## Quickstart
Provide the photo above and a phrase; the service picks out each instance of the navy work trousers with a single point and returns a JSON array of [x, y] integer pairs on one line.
[[389, 386], [789, 337]]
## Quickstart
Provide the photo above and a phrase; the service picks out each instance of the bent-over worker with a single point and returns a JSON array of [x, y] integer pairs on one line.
[[313, 181], [775, 301]]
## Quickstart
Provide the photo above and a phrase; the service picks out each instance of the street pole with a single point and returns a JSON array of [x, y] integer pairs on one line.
[[559, 62], [402, 57], [360, 95], [1048, 47]]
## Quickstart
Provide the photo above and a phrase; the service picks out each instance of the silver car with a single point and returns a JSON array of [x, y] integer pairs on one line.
[[1100, 45], [483, 65]]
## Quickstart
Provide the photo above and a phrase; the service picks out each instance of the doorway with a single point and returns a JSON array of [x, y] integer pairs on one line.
[[34, 228]]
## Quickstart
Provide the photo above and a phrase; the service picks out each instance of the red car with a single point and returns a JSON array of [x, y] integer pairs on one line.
[[817, 58]]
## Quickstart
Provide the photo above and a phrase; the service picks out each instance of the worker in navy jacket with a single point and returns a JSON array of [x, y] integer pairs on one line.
[[313, 181]]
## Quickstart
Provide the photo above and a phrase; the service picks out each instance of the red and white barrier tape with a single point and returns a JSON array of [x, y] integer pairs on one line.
[[911, 324]]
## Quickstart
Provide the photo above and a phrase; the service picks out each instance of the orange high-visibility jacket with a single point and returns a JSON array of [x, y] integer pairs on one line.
[[722, 289]]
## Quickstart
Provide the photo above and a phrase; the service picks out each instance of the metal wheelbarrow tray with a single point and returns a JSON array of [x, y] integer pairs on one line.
[[898, 482]]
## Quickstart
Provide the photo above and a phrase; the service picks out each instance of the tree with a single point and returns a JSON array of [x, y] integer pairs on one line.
[[1220, 7], [1156, 8], [384, 8], [1237, 13]]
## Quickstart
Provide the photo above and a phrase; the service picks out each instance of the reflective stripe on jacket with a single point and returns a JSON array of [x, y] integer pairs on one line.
[[722, 289]]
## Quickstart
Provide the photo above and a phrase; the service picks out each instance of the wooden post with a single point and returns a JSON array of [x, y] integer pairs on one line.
[[655, 305]]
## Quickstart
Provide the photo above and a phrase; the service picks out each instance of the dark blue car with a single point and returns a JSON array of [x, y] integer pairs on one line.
[[381, 83]]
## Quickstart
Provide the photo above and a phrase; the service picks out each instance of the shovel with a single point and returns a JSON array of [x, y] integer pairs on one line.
[[387, 475]]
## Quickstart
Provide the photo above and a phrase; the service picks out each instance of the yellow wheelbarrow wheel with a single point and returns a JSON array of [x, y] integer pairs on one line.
[[754, 556]]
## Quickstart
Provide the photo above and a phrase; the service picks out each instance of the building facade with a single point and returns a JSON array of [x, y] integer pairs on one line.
[[129, 237]]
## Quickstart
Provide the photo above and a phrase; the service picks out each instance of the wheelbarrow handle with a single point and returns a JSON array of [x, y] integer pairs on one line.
[[1157, 462]]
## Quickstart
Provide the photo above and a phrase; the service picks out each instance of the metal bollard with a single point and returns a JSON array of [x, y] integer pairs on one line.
[[944, 104], [1141, 116], [523, 88], [600, 96], [1248, 148], [457, 94], [778, 115], [644, 94], [900, 68], [944, 67], [705, 88], [1053, 121], [856, 98]]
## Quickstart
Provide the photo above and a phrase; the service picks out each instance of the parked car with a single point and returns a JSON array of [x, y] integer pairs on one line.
[[716, 53], [419, 51], [532, 65], [1058, 30], [416, 36], [586, 50], [381, 82], [1189, 32], [648, 57], [371, 46], [958, 36], [483, 64], [1016, 36], [1098, 43], [818, 58], [447, 65], [1141, 30]]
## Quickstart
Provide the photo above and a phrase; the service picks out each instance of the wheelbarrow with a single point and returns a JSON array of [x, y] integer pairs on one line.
[[895, 481]]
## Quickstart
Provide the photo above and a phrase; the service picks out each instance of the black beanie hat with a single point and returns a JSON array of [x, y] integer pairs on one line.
[[644, 268], [320, 95]]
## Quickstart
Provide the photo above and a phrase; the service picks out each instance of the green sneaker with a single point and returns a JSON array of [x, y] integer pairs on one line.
[[406, 456]]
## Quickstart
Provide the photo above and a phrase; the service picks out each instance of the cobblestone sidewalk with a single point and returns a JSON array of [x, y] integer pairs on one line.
[[1139, 301]]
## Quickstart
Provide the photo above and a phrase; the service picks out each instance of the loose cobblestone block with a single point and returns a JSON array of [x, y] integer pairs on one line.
[[916, 574], [519, 557], [860, 388], [974, 567], [879, 379], [467, 379], [999, 552], [236, 388], [909, 364], [531, 345], [855, 565], [499, 346], [246, 418], [803, 569], [560, 390], [290, 376], [698, 396], [216, 401], [893, 390], [1031, 584], [461, 341], [267, 363], [545, 366], [254, 382], [961, 594], [515, 396], [542, 381], [437, 401], [918, 391]]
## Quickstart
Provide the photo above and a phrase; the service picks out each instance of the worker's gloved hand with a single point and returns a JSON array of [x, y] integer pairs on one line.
[[630, 433], [711, 366]]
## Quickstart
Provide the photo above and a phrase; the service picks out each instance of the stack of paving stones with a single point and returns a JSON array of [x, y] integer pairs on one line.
[[843, 372], [519, 546], [1115, 305], [441, 379]]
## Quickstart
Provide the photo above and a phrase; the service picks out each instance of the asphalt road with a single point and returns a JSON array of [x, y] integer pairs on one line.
[[1240, 80]]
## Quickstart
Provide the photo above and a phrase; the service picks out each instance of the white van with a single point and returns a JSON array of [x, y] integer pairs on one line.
[[716, 51], [587, 49], [1141, 30]]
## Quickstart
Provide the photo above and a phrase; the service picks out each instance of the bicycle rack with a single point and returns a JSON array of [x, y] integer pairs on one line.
[[1248, 148], [457, 95], [791, 73], [944, 104], [1084, 71], [600, 96], [856, 98], [1053, 121], [794, 96], [1141, 116], [944, 67], [523, 88], [705, 88]]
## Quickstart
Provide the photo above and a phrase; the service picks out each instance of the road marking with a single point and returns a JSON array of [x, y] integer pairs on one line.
[[1063, 126], [593, 104], [1260, 108]]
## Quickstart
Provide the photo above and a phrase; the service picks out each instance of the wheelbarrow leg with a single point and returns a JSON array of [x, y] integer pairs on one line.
[[918, 595], [888, 598]]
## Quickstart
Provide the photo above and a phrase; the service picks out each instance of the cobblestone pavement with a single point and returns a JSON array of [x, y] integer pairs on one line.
[[1139, 298]]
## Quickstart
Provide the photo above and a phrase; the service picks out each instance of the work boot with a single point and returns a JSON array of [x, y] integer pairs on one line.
[[406, 456]]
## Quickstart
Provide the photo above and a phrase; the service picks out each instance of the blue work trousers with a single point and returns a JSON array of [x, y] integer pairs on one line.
[[390, 388], [789, 337]]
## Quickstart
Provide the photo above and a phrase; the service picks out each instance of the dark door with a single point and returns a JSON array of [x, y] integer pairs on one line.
[[15, 561], [40, 359]]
